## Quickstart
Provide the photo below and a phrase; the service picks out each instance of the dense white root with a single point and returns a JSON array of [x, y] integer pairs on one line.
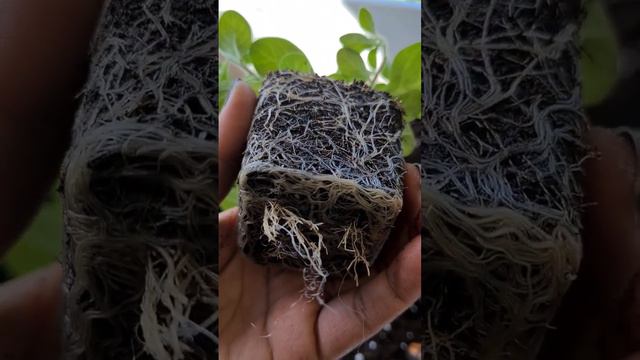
[[321, 180], [278, 220], [167, 283]]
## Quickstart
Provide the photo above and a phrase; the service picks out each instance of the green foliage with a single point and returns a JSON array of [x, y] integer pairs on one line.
[[235, 36], [350, 65], [599, 61], [408, 141], [366, 21], [404, 69], [231, 200], [224, 82], [257, 58], [271, 54], [363, 57], [372, 58], [357, 42], [41, 244], [403, 82]]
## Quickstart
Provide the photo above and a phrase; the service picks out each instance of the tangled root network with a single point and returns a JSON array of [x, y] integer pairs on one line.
[[321, 179], [139, 185], [501, 156]]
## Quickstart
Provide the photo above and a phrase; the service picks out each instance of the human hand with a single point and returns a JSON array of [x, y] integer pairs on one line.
[[262, 312]]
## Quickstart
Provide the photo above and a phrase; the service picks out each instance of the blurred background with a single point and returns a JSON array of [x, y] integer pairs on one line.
[[617, 108]]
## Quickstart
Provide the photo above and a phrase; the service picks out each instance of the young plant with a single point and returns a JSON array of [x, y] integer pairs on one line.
[[363, 57], [320, 185]]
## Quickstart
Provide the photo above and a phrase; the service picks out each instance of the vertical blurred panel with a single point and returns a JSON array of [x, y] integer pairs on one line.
[[139, 187], [501, 151]]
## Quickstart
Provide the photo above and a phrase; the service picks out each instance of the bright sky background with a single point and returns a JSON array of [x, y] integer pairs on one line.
[[313, 26]]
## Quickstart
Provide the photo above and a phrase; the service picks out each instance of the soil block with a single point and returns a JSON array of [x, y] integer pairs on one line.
[[502, 147], [138, 187], [321, 179]]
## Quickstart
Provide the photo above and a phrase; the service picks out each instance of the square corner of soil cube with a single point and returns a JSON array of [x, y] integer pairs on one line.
[[324, 163], [294, 203]]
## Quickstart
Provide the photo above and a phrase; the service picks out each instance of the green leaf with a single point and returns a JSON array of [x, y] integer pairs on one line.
[[366, 20], [231, 200], [271, 54], [40, 244], [357, 42], [408, 140], [599, 60], [234, 36], [372, 58], [386, 71], [294, 60], [380, 87], [405, 74], [411, 102], [351, 66]]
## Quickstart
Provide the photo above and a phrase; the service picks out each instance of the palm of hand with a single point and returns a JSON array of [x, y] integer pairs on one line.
[[255, 298]]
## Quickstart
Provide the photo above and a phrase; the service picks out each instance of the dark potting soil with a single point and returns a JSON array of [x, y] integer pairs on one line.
[[321, 179]]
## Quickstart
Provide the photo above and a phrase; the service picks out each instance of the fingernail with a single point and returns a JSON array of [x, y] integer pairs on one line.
[[231, 90]]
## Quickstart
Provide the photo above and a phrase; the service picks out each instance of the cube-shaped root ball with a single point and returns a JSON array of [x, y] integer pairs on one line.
[[321, 179]]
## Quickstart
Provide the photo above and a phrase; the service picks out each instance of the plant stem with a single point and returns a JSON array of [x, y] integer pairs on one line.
[[382, 65]]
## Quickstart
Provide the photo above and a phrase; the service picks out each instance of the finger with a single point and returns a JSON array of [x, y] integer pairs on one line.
[[288, 324], [407, 226], [414, 201], [227, 237], [235, 120], [30, 309], [348, 320]]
